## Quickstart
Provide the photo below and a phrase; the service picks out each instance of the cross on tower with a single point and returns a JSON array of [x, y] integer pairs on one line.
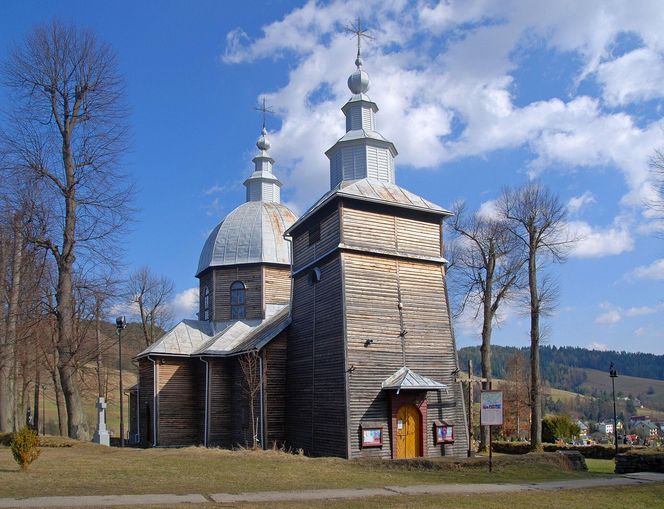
[[359, 32], [266, 110]]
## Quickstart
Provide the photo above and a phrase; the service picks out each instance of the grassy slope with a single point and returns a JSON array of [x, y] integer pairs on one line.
[[628, 385], [85, 469]]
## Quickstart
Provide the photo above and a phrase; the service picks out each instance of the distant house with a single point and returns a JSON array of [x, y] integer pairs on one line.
[[648, 428], [638, 418], [583, 429], [605, 427]]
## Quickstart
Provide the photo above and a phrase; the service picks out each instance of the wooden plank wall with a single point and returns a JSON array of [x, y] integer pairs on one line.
[[277, 284], [303, 253], [146, 401], [206, 280], [219, 410], [274, 367], [375, 229], [180, 390], [251, 276], [316, 413], [372, 284]]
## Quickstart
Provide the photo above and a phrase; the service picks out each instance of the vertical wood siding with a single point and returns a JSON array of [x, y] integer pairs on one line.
[[316, 413], [146, 401], [180, 389], [274, 367]]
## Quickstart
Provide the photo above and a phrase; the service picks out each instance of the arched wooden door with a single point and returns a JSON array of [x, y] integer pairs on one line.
[[408, 432]]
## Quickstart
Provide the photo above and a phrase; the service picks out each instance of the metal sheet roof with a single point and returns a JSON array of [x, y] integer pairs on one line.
[[198, 337], [406, 379], [252, 233], [377, 191]]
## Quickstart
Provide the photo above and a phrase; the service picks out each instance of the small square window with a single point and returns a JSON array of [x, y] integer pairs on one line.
[[314, 234]]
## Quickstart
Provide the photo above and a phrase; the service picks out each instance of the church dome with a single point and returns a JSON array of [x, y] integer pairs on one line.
[[252, 233]]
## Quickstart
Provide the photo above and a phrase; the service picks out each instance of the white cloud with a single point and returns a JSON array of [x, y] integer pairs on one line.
[[610, 317], [488, 210], [598, 346], [185, 304], [653, 271], [644, 310], [597, 242], [636, 76], [576, 203], [463, 75]]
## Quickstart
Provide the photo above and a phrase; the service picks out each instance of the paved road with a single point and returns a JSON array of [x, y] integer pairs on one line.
[[344, 493]]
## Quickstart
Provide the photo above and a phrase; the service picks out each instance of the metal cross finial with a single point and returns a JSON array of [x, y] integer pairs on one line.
[[359, 32], [266, 110]]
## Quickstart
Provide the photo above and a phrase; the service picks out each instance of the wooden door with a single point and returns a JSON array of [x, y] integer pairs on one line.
[[408, 432]]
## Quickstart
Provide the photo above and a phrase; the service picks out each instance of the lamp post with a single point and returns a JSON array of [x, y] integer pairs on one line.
[[614, 374], [43, 415], [120, 323]]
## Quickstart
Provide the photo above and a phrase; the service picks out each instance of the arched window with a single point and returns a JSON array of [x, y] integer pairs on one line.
[[237, 300], [206, 303]]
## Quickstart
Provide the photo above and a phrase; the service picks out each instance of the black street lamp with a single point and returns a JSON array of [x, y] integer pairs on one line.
[[43, 415], [120, 323], [614, 374]]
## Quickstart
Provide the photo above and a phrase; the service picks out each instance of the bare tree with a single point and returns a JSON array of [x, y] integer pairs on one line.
[[657, 169], [250, 365], [517, 394], [487, 268], [536, 218], [151, 294], [67, 130]]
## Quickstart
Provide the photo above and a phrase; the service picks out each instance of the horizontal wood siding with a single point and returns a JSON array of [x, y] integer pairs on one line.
[[316, 413], [180, 390], [241, 427], [277, 285], [372, 287], [146, 401], [251, 276], [381, 230], [219, 432], [274, 367], [303, 253]]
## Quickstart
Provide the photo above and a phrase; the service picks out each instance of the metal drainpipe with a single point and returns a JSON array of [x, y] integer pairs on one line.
[[138, 402], [154, 401], [260, 367], [207, 396]]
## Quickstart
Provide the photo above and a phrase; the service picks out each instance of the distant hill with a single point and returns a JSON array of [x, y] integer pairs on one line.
[[585, 372], [642, 365]]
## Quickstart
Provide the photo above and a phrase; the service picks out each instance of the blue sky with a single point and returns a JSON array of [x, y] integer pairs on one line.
[[476, 95]]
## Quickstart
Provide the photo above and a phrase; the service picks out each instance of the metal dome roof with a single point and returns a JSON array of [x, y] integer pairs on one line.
[[252, 233]]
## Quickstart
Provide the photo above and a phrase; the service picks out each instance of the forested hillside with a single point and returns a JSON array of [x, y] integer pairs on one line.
[[558, 361]]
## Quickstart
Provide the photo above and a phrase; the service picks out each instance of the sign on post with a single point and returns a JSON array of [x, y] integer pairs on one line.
[[491, 408]]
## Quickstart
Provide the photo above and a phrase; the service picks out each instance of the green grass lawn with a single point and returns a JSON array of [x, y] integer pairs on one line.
[[601, 466], [86, 469]]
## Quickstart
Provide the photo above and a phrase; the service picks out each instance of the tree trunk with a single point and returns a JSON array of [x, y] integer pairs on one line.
[[60, 405], [36, 408], [8, 420], [535, 394], [485, 349]]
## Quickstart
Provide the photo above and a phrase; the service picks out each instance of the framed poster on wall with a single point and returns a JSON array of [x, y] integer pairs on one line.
[[443, 432], [372, 436]]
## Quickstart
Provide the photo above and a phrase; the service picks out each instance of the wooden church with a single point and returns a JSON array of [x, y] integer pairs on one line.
[[328, 333]]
